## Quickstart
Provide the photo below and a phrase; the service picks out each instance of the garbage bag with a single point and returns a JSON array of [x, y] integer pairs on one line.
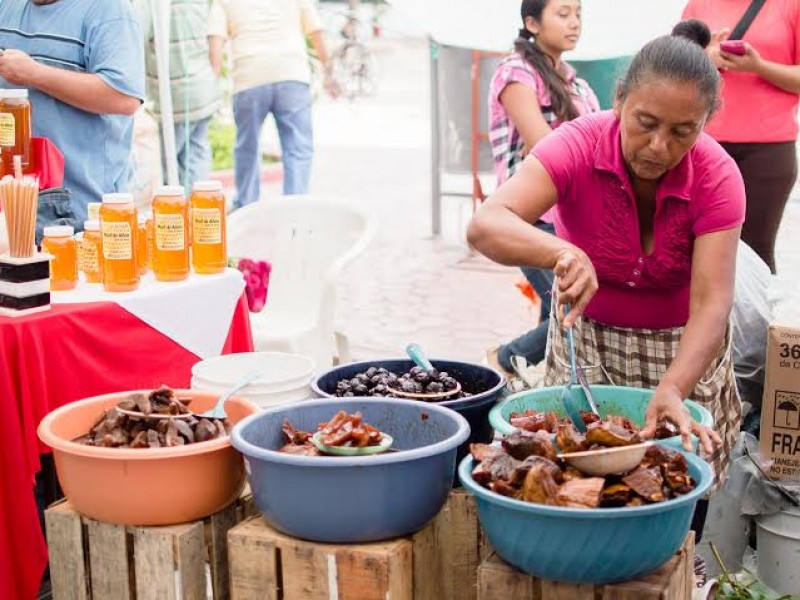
[[750, 319]]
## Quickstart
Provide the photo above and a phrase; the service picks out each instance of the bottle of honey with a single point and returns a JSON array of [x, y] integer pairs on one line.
[[59, 242], [118, 228], [15, 130], [91, 252], [171, 232], [209, 245]]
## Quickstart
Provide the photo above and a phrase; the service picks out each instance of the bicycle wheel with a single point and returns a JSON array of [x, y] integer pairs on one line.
[[352, 69]]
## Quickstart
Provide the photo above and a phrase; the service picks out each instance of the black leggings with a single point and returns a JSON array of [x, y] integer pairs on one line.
[[769, 172]]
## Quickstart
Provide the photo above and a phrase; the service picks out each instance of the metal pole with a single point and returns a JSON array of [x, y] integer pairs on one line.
[[436, 183], [160, 10]]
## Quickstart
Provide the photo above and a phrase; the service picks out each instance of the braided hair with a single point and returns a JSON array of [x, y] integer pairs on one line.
[[557, 84]]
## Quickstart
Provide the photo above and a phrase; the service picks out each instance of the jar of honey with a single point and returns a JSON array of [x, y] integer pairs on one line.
[[59, 242], [15, 130], [93, 210], [91, 252], [141, 245], [209, 244], [171, 231], [118, 230]]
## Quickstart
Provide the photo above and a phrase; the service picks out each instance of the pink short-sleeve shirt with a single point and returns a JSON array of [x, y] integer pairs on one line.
[[754, 110], [596, 211], [507, 143]]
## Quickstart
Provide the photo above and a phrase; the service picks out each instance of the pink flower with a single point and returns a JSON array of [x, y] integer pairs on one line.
[[256, 277]]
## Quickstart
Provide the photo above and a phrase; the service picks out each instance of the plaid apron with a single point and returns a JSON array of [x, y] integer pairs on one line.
[[639, 358]]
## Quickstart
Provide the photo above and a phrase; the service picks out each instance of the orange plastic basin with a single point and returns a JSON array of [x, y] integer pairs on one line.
[[142, 486]]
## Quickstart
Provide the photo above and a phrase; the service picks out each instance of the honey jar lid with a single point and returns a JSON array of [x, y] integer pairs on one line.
[[169, 190], [18, 93], [92, 225], [117, 198], [59, 231], [207, 186]]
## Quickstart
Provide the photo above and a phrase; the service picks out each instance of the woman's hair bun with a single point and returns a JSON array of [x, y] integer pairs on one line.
[[693, 30]]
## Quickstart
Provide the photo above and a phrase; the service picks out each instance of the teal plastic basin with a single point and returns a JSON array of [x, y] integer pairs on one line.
[[611, 400], [586, 545]]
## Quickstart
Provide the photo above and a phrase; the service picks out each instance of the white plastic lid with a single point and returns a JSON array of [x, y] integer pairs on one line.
[[207, 186], [142, 219], [59, 231], [117, 198], [169, 190], [21, 93], [92, 225]]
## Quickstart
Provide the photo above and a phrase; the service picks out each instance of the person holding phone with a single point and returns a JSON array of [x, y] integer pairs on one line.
[[757, 122], [532, 92]]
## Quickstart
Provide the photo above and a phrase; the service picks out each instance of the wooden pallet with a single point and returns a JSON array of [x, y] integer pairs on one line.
[[93, 560], [438, 563], [673, 581]]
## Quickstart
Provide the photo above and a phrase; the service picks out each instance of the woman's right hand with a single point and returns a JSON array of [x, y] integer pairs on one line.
[[713, 50], [576, 281]]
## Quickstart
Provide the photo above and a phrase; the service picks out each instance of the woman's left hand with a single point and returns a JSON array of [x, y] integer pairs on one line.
[[667, 405], [749, 62]]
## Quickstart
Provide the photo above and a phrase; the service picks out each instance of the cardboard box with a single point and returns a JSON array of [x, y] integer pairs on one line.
[[780, 411]]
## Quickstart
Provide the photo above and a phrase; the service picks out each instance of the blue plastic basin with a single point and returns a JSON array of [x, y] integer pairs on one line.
[[592, 546], [487, 385], [611, 400], [353, 499]]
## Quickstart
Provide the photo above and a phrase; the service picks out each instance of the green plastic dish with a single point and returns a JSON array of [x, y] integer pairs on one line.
[[611, 400], [386, 443]]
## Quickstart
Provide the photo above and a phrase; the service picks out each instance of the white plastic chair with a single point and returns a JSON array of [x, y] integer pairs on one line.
[[308, 240]]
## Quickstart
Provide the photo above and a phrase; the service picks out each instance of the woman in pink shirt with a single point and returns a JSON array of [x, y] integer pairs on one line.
[[532, 92], [757, 122], [648, 211]]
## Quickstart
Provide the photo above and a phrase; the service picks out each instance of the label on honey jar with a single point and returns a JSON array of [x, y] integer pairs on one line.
[[169, 231], [88, 257], [7, 130], [117, 241], [206, 226]]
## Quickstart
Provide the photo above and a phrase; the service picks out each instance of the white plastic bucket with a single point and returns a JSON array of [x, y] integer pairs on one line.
[[286, 377], [779, 551]]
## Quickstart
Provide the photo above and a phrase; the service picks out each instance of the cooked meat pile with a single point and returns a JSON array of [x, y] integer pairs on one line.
[[117, 430], [341, 430], [526, 468], [533, 421]]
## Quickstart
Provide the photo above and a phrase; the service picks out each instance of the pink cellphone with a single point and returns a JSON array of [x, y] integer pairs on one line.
[[733, 47]]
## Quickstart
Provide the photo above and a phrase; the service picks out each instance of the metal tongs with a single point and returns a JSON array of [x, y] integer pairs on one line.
[[586, 390]]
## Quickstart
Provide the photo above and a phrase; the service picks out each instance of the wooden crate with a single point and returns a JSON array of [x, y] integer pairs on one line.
[[673, 581], [438, 563], [93, 560]]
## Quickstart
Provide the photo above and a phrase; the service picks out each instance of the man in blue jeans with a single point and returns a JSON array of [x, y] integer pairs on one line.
[[271, 74], [196, 94]]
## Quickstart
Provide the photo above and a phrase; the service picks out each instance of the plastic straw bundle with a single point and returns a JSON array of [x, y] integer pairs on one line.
[[19, 196]]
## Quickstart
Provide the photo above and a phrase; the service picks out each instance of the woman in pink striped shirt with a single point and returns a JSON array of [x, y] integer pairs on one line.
[[532, 92]]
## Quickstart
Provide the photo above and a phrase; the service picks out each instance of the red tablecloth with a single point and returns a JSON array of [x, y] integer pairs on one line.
[[49, 359]]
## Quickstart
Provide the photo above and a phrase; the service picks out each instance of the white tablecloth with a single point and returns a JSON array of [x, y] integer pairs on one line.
[[195, 313]]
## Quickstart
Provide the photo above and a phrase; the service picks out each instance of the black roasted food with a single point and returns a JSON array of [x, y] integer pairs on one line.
[[380, 382]]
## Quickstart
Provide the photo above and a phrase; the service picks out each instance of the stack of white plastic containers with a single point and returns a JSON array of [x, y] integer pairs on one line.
[[284, 377]]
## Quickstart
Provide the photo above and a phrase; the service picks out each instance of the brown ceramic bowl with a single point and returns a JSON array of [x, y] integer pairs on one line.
[[143, 486]]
